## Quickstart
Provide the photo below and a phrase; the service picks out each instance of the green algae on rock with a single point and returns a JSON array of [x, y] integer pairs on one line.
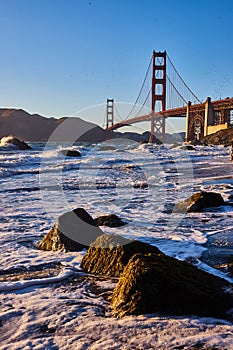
[[199, 201], [156, 283], [109, 254]]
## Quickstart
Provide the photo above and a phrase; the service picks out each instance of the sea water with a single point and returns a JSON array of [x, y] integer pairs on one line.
[[139, 183]]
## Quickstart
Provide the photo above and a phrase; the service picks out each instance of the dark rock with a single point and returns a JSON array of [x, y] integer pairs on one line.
[[109, 254], [111, 220], [188, 148], [73, 231], [70, 153], [140, 185], [199, 201], [156, 283], [12, 140]]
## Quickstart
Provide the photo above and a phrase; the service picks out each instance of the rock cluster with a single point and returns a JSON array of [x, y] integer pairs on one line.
[[76, 230], [149, 281], [152, 282]]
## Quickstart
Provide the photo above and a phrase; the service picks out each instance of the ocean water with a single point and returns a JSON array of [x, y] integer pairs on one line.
[[139, 183]]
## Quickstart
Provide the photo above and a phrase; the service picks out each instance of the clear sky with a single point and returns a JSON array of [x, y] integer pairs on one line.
[[58, 57]]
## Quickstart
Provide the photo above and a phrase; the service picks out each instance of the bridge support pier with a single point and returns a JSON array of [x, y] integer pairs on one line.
[[157, 128], [209, 115], [187, 136]]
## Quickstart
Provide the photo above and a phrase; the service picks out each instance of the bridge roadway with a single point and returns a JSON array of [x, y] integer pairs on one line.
[[226, 103]]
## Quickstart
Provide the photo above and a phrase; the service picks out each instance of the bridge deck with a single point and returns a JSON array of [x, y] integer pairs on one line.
[[227, 103]]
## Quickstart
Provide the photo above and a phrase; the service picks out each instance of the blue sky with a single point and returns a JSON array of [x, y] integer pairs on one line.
[[61, 56]]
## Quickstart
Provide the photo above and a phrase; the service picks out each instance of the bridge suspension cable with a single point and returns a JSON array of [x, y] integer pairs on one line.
[[177, 84], [118, 114], [140, 91]]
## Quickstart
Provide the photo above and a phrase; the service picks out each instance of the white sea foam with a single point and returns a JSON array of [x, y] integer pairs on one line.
[[75, 313]]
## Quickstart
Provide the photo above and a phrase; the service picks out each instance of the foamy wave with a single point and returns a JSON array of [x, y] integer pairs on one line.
[[10, 286]]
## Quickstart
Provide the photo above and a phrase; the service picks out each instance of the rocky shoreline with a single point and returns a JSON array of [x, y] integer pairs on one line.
[[149, 281]]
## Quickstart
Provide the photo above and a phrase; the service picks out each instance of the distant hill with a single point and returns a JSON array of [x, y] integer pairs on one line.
[[221, 137], [34, 127]]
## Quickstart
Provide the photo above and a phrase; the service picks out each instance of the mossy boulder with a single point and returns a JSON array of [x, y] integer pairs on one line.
[[156, 283], [200, 201], [109, 254], [110, 220], [73, 231]]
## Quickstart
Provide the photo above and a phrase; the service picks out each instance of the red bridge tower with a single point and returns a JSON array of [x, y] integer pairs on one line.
[[158, 98], [110, 112]]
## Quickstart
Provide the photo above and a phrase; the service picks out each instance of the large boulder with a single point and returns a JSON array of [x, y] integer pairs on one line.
[[73, 231], [156, 283], [109, 254], [199, 201], [110, 220], [14, 142]]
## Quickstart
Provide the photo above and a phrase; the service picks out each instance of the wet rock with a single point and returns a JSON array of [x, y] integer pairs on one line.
[[15, 142], [73, 231], [156, 283], [187, 147], [140, 185], [70, 153], [199, 201], [109, 254], [107, 148], [111, 220]]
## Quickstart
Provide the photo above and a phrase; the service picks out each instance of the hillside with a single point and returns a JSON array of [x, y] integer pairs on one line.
[[221, 137], [34, 127]]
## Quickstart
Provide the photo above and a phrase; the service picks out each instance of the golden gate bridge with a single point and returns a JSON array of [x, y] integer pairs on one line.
[[170, 96]]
